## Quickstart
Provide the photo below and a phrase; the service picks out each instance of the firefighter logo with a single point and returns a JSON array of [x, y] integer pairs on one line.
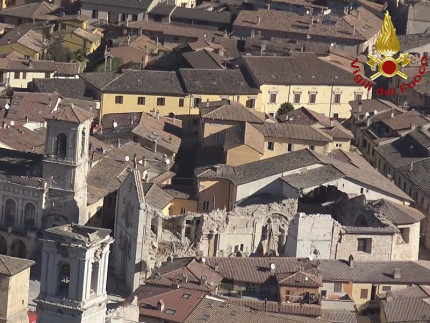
[[388, 45]]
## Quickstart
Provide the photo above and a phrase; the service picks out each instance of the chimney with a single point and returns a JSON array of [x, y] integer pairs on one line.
[[412, 166], [369, 122], [154, 146], [135, 160], [118, 142], [389, 296], [203, 281], [353, 30], [396, 273], [30, 63], [8, 41], [216, 267], [331, 122], [164, 157], [360, 106], [160, 305], [26, 118], [259, 20], [4, 124], [272, 267], [144, 161], [413, 126], [351, 261], [184, 279], [358, 14], [157, 115]]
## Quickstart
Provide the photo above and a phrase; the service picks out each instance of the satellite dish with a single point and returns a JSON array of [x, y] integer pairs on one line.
[[272, 266], [167, 161], [7, 106], [115, 124], [127, 158], [12, 123], [203, 260]]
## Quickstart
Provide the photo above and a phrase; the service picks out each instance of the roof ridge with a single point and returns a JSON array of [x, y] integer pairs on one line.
[[7, 268], [111, 81]]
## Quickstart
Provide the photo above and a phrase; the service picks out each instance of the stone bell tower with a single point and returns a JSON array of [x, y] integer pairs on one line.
[[74, 275], [65, 165]]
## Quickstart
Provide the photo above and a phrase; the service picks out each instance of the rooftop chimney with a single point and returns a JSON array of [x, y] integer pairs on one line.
[[413, 126], [272, 267], [160, 305], [184, 279], [26, 118], [203, 281], [353, 30], [351, 261], [389, 296], [135, 160], [259, 20], [118, 142], [4, 124], [360, 106], [154, 146], [396, 273], [157, 115], [144, 161]]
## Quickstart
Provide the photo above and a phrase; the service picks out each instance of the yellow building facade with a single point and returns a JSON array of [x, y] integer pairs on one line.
[[331, 101]]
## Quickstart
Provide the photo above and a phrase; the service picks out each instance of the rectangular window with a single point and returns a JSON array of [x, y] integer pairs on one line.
[[290, 147], [161, 101], [16, 75], [386, 288], [141, 100], [311, 147], [337, 98], [405, 234], [95, 14], [250, 103], [270, 145], [363, 293], [118, 99], [47, 75], [364, 245], [338, 287], [181, 103], [358, 96], [133, 17], [338, 145], [273, 97], [297, 98], [324, 293], [336, 115], [24, 75], [205, 206], [197, 101], [312, 98]]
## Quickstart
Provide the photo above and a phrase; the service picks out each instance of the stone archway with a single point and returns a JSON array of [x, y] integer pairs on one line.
[[18, 249], [3, 246]]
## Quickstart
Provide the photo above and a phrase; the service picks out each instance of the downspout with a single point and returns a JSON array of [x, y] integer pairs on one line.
[[289, 90], [331, 100]]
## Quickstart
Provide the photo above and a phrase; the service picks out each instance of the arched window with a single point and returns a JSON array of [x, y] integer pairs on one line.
[[18, 249], [83, 143], [63, 279], [3, 246], [94, 278], [61, 146], [30, 215], [10, 212]]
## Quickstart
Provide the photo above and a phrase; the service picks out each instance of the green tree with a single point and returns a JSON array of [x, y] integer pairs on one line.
[[116, 64], [58, 53], [285, 108]]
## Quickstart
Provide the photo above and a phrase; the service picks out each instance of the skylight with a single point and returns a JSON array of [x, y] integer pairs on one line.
[[187, 296], [170, 311]]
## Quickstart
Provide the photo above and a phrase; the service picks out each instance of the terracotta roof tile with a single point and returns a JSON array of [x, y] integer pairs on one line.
[[70, 114]]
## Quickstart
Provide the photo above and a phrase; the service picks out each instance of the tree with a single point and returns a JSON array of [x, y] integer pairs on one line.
[[58, 53], [285, 108]]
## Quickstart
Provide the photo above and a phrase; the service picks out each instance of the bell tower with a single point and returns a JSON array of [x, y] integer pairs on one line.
[[65, 166], [74, 275]]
